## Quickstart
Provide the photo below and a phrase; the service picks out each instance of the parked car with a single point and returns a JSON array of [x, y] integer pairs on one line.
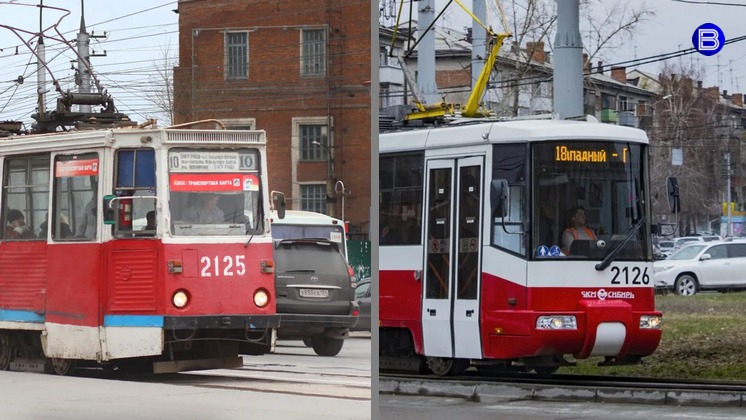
[[314, 287], [362, 297], [703, 266], [681, 241], [666, 248]]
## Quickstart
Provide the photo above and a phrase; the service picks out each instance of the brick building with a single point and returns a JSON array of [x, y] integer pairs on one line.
[[300, 71]]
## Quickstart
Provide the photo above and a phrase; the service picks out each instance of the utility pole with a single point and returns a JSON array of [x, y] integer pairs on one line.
[[568, 61], [83, 44], [729, 225], [41, 72]]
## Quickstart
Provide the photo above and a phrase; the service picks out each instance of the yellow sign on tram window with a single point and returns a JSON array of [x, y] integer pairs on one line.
[[569, 154]]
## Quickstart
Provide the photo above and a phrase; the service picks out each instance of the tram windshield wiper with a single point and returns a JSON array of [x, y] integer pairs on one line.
[[609, 257]]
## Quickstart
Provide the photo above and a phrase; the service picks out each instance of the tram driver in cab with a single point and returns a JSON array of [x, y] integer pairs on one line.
[[576, 230], [205, 211]]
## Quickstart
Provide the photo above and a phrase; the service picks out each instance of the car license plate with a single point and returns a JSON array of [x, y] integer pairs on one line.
[[314, 293]]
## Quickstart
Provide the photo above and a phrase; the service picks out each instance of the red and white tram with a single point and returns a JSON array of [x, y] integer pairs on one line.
[[135, 245], [472, 268]]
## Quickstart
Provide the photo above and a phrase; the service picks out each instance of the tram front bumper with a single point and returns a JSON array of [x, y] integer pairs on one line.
[[221, 322]]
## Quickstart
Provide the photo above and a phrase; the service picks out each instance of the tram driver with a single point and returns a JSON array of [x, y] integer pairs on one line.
[[577, 230], [205, 211]]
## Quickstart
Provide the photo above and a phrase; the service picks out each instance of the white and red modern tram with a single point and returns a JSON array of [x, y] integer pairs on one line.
[[472, 265]]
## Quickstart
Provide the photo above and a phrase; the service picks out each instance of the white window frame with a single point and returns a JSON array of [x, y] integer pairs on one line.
[[295, 152]]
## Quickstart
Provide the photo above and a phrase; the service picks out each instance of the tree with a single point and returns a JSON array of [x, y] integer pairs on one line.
[[686, 119], [162, 82], [535, 21]]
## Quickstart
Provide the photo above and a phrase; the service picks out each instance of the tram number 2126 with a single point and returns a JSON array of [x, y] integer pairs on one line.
[[627, 275]]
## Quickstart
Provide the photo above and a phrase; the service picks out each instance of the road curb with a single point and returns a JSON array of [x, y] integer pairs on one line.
[[496, 392]]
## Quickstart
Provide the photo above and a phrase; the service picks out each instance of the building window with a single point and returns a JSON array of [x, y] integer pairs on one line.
[[623, 104], [314, 143], [236, 55], [313, 198], [313, 59]]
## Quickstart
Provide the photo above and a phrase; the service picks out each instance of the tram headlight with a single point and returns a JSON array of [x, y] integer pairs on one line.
[[556, 322], [651, 322], [261, 298], [180, 298]]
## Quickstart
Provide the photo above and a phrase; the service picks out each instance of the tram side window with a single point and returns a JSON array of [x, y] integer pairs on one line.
[[75, 215], [509, 162], [25, 197], [400, 211], [135, 177]]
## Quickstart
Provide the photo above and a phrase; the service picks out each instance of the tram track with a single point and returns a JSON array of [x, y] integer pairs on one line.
[[479, 387]]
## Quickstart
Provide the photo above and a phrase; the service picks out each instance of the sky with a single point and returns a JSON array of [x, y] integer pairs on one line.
[[669, 30], [138, 34]]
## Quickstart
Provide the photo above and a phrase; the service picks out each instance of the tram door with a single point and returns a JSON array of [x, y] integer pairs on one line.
[[450, 307]]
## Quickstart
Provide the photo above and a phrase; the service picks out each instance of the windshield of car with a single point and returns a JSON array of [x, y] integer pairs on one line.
[[681, 241], [688, 252], [666, 244], [309, 256]]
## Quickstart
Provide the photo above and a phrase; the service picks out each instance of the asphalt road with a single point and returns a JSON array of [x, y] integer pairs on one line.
[[294, 383]]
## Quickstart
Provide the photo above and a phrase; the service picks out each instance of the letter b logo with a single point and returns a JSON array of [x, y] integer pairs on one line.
[[708, 39]]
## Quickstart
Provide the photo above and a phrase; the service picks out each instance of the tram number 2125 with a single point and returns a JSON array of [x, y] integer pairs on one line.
[[228, 266]]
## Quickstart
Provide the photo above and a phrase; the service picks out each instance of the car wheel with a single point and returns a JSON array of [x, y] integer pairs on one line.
[[307, 341], [686, 285], [326, 346]]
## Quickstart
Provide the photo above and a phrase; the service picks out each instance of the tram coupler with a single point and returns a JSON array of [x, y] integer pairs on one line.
[[621, 361]]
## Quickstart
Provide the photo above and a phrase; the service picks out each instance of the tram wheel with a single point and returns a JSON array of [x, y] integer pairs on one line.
[[444, 366], [62, 367], [6, 351]]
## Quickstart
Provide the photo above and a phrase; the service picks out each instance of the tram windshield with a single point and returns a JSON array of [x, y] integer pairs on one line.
[[587, 198], [215, 192]]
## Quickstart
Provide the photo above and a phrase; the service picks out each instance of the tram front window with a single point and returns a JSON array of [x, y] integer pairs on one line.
[[215, 192], [590, 193]]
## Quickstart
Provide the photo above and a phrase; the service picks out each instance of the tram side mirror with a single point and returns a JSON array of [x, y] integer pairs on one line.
[[499, 197], [109, 216], [278, 202], [674, 203]]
